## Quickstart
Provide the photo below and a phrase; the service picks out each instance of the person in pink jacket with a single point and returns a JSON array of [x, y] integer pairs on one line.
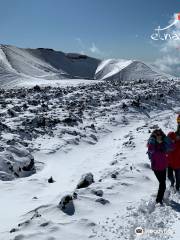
[[158, 147], [174, 158]]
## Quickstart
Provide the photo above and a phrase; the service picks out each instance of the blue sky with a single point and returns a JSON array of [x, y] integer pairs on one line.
[[100, 28]]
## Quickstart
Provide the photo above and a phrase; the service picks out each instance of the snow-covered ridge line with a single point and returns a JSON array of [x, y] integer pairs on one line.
[[24, 65], [44, 64], [110, 67], [127, 70]]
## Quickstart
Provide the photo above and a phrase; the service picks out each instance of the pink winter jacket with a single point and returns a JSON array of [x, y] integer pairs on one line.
[[158, 154]]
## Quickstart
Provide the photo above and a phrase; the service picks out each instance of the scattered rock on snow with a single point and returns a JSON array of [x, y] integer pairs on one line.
[[113, 162], [13, 230], [129, 144], [98, 193], [75, 195], [66, 205], [16, 161], [70, 121], [12, 113], [102, 201], [114, 175], [37, 88], [51, 180], [93, 137], [45, 224], [85, 181]]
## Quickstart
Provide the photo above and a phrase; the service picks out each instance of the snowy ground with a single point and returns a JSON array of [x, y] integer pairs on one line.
[[118, 161], [30, 82]]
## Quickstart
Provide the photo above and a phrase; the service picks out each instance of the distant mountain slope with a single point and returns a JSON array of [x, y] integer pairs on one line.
[[6, 70], [126, 70], [45, 63], [110, 67], [34, 66]]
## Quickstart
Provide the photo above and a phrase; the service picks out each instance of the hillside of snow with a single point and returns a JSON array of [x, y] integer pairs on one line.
[[73, 162], [110, 67], [125, 70], [42, 66]]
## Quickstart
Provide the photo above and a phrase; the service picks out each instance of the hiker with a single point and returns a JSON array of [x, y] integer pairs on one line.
[[174, 157], [158, 146]]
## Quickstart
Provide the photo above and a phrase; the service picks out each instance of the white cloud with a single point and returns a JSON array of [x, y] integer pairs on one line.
[[81, 45], [94, 49]]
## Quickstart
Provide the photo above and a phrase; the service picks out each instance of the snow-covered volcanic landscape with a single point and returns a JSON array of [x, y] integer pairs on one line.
[[73, 162]]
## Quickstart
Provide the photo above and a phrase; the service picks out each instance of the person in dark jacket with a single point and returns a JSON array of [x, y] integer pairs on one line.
[[174, 158], [158, 147]]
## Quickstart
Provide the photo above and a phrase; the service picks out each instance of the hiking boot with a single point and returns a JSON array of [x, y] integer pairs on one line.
[[159, 204], [159, 201]]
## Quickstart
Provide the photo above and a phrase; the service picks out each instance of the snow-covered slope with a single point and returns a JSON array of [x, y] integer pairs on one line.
[[70, 131], [7, 73], [73, 162], [26, 67], [44, 64], [126, 70], [110, 67]]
